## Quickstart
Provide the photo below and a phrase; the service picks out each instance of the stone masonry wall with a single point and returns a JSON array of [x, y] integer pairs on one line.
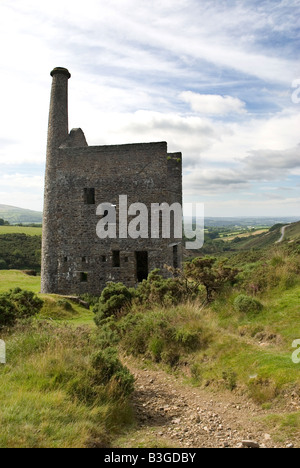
[[78, 179], [140, 171]]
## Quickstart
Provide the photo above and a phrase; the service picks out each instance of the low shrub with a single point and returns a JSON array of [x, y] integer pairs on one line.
[[110, 370], [246, 304], [3, 264], [157, 290], [161, 335], [262, 390], [115, 298], [16, 305], [230, 379], [90, 299], [65, 305]]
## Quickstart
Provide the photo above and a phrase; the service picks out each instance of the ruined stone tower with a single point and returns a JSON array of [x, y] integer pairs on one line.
[[81, 177]]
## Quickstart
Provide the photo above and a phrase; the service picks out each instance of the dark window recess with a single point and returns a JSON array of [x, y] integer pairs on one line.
[[65, 259], [89, 196], [126, 259], [175, 256], [141, 266], [84, 260], [103, 258], [83, 277], [116, 258]]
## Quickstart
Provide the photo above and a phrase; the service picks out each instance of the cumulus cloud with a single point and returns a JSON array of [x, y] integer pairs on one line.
[[272, 163], [256, 206], [22, 181], [21, 199], [208, 77], [214, 182], [213, 104], [257, 167]]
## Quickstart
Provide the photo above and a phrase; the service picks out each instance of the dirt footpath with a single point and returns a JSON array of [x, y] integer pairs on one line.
[[168, 410]]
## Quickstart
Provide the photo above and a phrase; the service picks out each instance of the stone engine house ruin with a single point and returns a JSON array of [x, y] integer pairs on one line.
[[79, 178]]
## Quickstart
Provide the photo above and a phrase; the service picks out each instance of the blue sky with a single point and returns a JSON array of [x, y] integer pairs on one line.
[[219, 80]]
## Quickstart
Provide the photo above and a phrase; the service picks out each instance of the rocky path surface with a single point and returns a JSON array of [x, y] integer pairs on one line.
[[189, 417]]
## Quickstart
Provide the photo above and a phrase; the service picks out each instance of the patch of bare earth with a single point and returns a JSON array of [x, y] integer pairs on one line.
[[171, 412]]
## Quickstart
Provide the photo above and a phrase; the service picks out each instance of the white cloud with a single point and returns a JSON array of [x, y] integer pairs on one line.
[[21, 199], [22, 181], [213, 104], [131, 62], [253, 208]]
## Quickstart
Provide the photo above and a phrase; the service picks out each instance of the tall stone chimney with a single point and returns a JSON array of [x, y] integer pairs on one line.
[[58, 129]]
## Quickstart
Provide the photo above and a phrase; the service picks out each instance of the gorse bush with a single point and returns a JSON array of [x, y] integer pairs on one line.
[[89, 299], [114, 299], [117, 300], [212, 274], [157, 290], [18, 304], [110, 371], [161, 335], [8, 312], [246, 304]]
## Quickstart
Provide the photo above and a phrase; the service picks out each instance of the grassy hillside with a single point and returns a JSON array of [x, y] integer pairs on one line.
[[292, 232], [266, 239], [16, 215], [260, 241], [59, 388], [54, 393], [241, 342], [29, 231], [10, 279]]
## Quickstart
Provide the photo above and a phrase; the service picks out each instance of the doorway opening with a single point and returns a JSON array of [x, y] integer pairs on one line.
[[116, 259], [142, 270], [175, 256]]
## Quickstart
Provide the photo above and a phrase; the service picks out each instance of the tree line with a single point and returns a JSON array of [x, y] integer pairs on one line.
[[20, 252]]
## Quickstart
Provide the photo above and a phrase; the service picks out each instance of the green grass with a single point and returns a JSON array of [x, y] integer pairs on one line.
[[251, 351], [221, 348], [293, 231], [231, 347], [255, 344], [283, 426], [10, 279], [49, 397], [77, 316], [29, 231]]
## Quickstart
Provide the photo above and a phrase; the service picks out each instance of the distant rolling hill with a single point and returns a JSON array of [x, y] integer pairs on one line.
[[16, 215], [291, 234]]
